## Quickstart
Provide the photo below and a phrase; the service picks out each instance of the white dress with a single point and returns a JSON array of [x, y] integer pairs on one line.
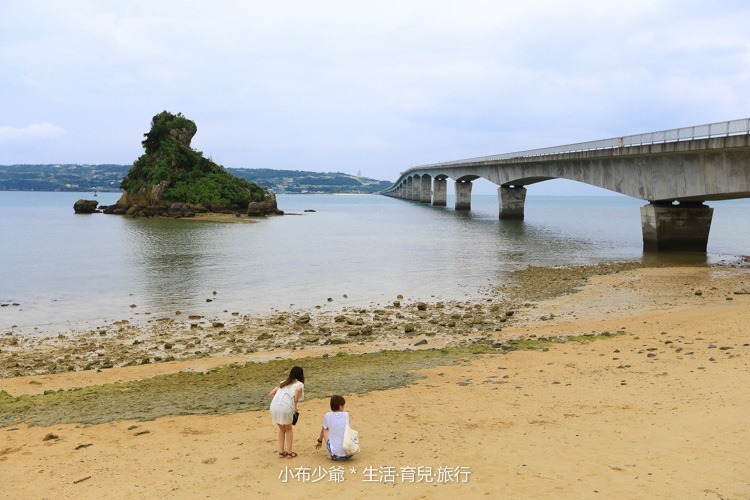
[[282, 404]]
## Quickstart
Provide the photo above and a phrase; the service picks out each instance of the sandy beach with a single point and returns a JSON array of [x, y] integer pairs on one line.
[[642, 391]]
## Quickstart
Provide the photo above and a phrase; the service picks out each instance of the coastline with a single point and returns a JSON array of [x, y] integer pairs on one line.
[[354, 328], [659, 409]]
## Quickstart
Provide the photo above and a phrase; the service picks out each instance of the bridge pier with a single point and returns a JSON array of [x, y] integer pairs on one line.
[[512, 200], [463, 195], [440, 193], [682, 227], [414, 195], [425, 189]]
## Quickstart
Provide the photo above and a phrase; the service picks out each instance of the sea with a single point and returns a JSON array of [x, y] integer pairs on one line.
[[65, 272]]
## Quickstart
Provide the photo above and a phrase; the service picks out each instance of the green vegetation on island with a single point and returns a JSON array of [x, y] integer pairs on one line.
[[170, 171]]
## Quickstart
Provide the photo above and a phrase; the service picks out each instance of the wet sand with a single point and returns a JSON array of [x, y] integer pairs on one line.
[[659, 409]]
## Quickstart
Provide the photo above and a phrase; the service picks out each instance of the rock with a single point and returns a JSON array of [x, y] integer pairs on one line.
[[181, 210], [184, 134], [133, 211], [85, 206], [304, 319], [170, 170], [421, 306], [266, 207], [421, 342]]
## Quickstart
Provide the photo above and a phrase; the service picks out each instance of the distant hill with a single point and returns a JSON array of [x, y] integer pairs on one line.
[[107, 178], [66, 177], [299, 181]]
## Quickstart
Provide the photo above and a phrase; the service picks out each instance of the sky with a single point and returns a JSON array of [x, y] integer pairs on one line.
[[362, 87]]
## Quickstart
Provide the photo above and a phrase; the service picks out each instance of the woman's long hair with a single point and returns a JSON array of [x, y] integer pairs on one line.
[[295, 374]]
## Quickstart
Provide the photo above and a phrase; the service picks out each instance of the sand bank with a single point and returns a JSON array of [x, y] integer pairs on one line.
[[661, 409]]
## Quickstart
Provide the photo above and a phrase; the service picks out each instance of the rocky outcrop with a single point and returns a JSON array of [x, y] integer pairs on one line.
[[143, 198], [173, 211], [85, 206], [185, 133], [171, 179], [266, 207]]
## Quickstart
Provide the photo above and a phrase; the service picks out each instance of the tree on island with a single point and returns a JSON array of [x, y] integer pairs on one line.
[[172, 179]]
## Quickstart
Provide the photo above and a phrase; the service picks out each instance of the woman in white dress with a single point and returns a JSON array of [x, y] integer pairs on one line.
[[284, 407]]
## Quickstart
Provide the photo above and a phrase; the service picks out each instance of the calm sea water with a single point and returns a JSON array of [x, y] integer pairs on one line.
[[68, 271]]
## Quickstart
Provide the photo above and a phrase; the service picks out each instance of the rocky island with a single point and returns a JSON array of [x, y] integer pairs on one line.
[[171, 179]]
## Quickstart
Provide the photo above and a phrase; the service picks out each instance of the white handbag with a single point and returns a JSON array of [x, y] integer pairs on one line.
[[351, 440]]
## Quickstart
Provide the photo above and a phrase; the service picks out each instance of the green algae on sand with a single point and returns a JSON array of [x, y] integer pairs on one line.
[[237, 388]]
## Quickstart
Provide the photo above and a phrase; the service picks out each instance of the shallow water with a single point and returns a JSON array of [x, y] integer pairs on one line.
[[68, 271]]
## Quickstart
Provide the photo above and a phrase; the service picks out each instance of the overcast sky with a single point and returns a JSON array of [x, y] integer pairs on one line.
[[351, 86]]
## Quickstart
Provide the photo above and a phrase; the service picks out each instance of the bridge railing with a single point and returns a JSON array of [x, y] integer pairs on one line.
[[720, 129]]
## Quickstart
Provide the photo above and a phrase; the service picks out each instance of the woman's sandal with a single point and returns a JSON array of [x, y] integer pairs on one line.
[[282, 454], [291, 454]]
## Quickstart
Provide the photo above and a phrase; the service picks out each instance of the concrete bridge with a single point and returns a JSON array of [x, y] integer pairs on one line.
[[676, 171]]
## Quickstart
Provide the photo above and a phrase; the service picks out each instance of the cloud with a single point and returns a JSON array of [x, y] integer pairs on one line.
[[32, 132], [377, 87]]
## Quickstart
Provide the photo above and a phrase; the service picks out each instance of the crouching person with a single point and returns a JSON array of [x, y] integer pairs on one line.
[[334, 425]]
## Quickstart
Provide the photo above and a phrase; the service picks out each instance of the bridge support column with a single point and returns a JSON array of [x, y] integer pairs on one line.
[[440, 192], [682, 227], [415, 188], [425, 189], [512, 201], [463, 195]]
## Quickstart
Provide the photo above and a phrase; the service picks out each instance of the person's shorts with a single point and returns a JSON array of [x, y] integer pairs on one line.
[[335, 457]]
